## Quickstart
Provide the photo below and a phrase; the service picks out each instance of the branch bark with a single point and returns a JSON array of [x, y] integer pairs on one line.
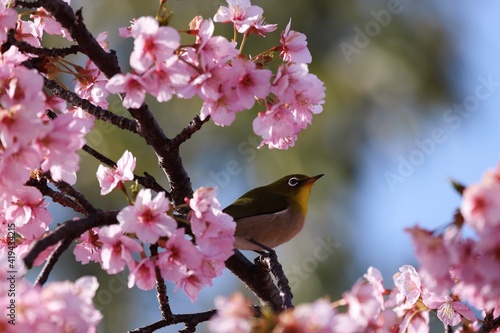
[[69, 230]]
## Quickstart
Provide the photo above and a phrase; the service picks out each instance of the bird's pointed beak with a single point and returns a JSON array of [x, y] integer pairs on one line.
[[315, 178]]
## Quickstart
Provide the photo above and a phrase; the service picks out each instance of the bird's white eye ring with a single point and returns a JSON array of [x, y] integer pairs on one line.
[[293, 181]]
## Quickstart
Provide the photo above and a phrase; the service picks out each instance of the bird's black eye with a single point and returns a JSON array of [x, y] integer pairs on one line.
[[293, 181]]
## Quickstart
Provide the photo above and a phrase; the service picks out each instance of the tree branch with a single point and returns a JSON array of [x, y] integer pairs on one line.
[[193, 127], [192, 319], [277, 270], [79, 197], [54, 257], [161, 288], [73, 22], [41, 51], [147, 180], [85, 104], [489, 324], [69, 230], [257, 279], [58, 197]]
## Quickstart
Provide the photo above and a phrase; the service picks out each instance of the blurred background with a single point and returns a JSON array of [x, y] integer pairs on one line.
[[413, 90]]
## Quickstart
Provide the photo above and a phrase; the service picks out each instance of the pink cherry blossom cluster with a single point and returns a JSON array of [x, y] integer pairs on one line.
[[465, 258], [58, 307], [190, 265], [225, 79], [28, 142], [367, 307]]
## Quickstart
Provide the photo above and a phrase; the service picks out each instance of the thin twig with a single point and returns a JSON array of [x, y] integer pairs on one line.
[[94, 110], [58, 197], [41, 51], [79, 197], [283, 284], [256, 279], [191, 319], [489, 324], [54, 257], [147, 180], [193, 127], [27, 4], [161, 288], [69, 230], [107, 62]]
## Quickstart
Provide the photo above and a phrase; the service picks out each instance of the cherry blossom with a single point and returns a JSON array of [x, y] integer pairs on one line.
[[294, 46], [166, 77], [232, 315], [8, 18], [134, 87], [248, 82], [241, 13], [277, 127], [43, 19], [152, 43], [318, 316], [117, 249], [91, 84], [364, 300], [23, 89], [434, 257], [143, 275], [70, 305], [88, 247], [449, 311], [27, 210], [481, 205], [29, 32], [261, 28], [214, 230], [59, 144], [408, 283], [147, 218], [16, 163], [180, 252], [110, 177], [214, 50]]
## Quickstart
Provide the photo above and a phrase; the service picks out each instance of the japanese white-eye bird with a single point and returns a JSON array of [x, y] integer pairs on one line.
[[273, 214]]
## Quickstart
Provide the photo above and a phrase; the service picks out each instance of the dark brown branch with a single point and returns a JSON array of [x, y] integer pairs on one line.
[[73, 22], [193, 127], [168, 154], [42, 51], [283, 283], [58, 197], [69, 230], [192, 319], [147, 180], [54, 257], [96, 111], [257, 279], [489, 324], [161, 288], [79, 197], [27, 4]]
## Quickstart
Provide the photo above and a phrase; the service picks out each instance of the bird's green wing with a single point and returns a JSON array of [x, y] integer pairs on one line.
[[250, 204]]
